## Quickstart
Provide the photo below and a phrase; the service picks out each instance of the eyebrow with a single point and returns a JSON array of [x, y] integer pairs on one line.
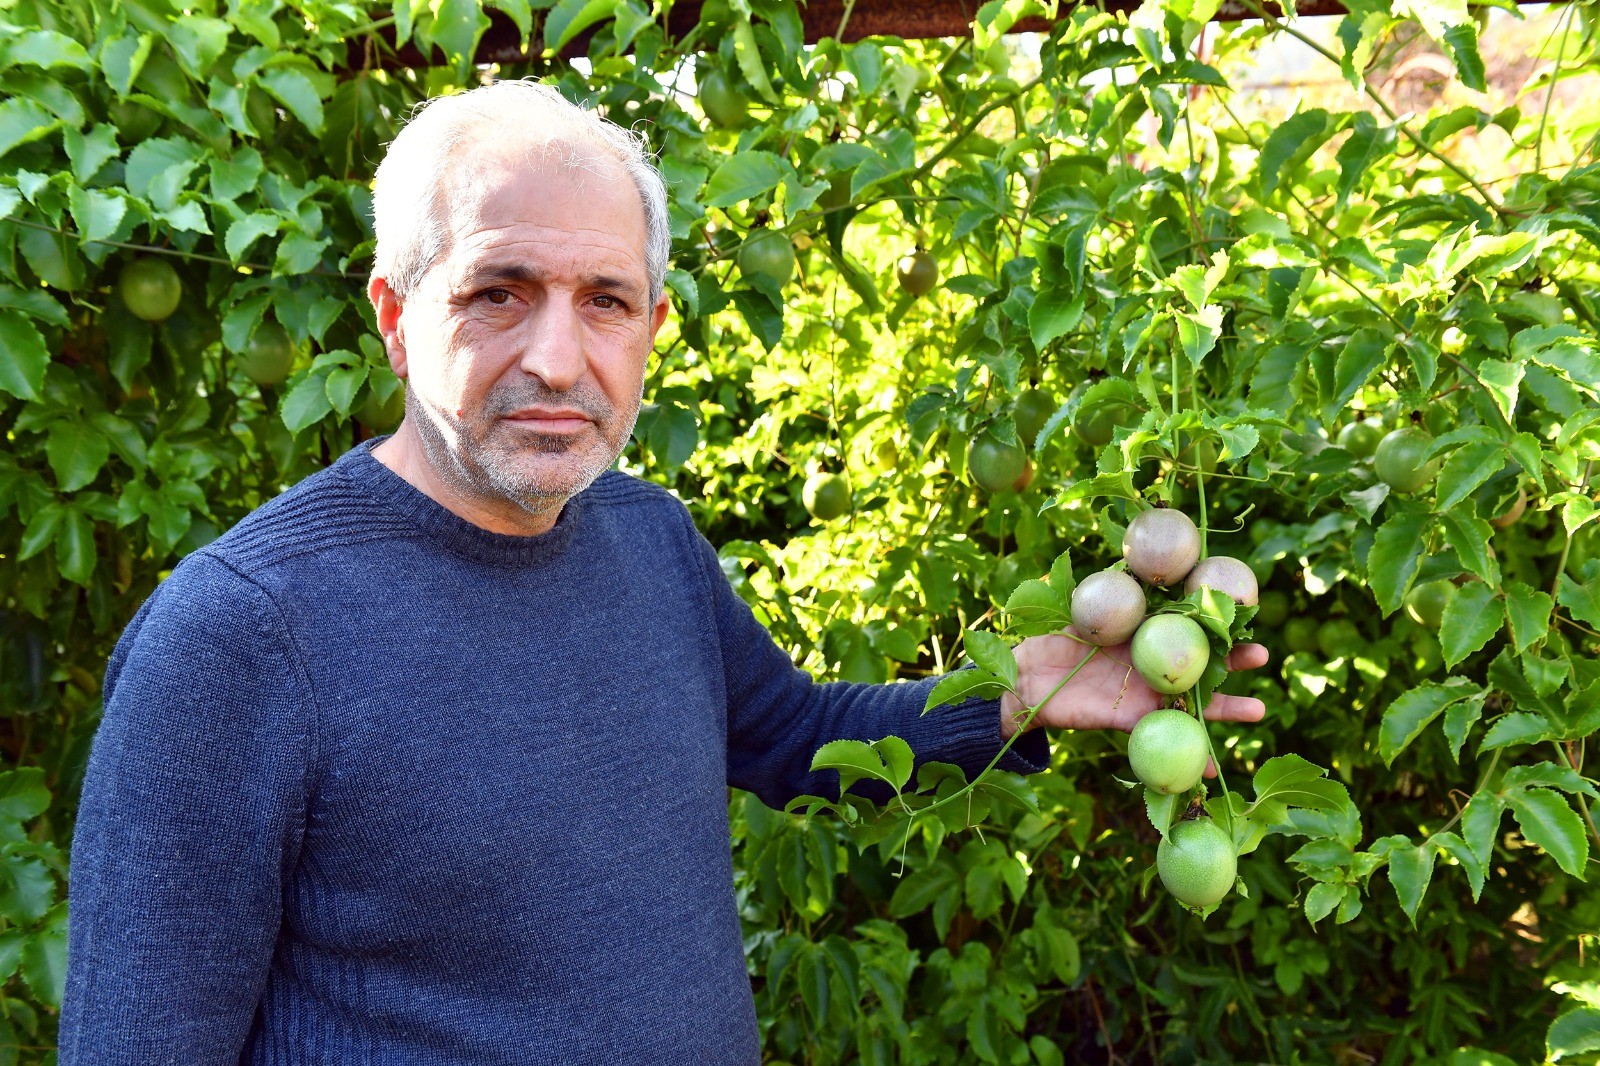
[[490, 273]]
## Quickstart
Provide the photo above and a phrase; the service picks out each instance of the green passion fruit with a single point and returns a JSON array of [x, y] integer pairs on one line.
[[723, 104], [917, 273], [1301, 634], [825, 496], [1107, 607], [1197, 862], [1340, 638], [1399, 459], [1033, 409], [1273, 609], [1161, 545], [1360, 439], [994, 465], [267, 357], [382, 416], [1425, 603], [1170, 651], [769, 253], [1168, 751], [150, 288]]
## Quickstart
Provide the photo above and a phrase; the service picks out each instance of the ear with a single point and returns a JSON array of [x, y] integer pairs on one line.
[[387, 305], [658, 315]]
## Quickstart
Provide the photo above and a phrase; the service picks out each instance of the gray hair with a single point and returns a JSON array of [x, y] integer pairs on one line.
[[411, 183]]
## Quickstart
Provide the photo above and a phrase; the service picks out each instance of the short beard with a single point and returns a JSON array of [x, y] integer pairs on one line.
[[471, 469]]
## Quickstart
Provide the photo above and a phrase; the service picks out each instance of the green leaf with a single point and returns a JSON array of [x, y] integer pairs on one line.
[[1290, 143], [961, 686], [199, 41], [568, 18], [1459, 718], [1576, 1032], [1518, 727], [1470, 466], [77, 453], [23, 794], [897, 758], [1406, 718], [1034, 609], [1471, 618], [306, 404], [1055, 313], [1528, 612], [1480, 824], [1410, 870], [1368, 142], [44, 959], [40, 531], [1582, 600], [297, 93], [158, 170], [1547, 820], [1062, 579], [123, 58], [1198, 333], [1362, 356], [90, 151], [992, 655], [854, 760], [22, 121], [919, 889], [22, 369], [1462, 42], [764, 318], [1547, 774], [1397, 551], [1502, 381], [245, 231], [1162, 808], [1321, 900], [743, 177], [1525, 449], [75, 549], [1457, 849], [1290, 781], [97, 214], [1469, 537]]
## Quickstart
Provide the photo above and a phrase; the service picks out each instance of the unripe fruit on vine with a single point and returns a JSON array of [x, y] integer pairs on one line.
[[1096, 423], [1339, 638], [768, 252], [1170, 651], [1161, 546], [1025, 478], [1107, 607], [1227, 575], [149, 288], [1300, 634], [382, 416], [917, 272], [720, 100], [994, 466], [1197, 862], [1398, 460], [1512, 513], [826, 496], [1360, 439], [268, 356], [1168, 752], [1425, 603], [1033, 409], [1273, 610]]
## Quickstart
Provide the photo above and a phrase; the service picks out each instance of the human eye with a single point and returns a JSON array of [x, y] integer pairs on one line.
[[498, 297], [607, 302]]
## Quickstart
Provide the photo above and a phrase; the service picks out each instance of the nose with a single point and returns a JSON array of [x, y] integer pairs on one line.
[[555, 351]]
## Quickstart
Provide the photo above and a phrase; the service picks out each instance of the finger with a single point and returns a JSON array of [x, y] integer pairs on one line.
[[1211, 768], [1247, 657], [1224, 708]]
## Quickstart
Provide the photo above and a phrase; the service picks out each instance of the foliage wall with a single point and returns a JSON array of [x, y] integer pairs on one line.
[[1206, 294]]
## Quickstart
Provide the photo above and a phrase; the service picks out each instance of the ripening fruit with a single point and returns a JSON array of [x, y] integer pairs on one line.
[[994, 466], [826, 496], [1107, 607], [1025, 478], [268, 355], [1360, 439], [1197, 862], [1425, 603], [1398, 460], [1227, 575], [722, 103], [1339, 638], [1161, 545], [1033, 409], [149, 288], [917, 272], [1170, 651], [767, 252], [1168, 751]]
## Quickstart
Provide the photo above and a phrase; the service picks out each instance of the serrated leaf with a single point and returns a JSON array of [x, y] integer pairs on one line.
[[1471, 618], [1469, 537], [1480, 824], [44, 960], [1457, 849], [1582, 600], [1322, 899], [1528, 613], [1468, 467], [1362, 356], [1291, 141], [1368, 142], [1062, 579], [1576, 1032], [992, 655], [1410, 870], [1290, 781], [1406, 718], [1162, 808], [23, 794], [1054, 313], [306, 404], [77, 452], [22, 369], [1459, 718], [1548, 820], [1034, 609], [245, 231], [297, 93], [1547, 775], [97, 214], [1013, 788], [853, 760], [1396, 553], [1518, 727], [743, 177], [961, 686]]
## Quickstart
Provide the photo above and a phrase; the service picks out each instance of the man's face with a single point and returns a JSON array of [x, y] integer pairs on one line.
[[525, 346]]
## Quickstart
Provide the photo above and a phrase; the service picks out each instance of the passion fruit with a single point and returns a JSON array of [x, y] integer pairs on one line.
[[1033, 409], [1197, 862], [1107, 607], [150, 288], [825, 496], [1170, 651], [1512, 513], [1399, 462], [994, 465], [1301, 634], [1168, 751], [1340, 638], [723, 104], [1227, 575], [767, 252], [1360, 439], [1161, 546], [1425, 603], [917, 273], [1273, 609]]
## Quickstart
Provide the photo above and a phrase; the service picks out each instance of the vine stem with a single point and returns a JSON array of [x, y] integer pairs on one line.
[[1022, 727], [1566, 547], [1493, 762]]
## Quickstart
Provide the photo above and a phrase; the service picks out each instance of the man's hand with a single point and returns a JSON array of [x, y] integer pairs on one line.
[[1108, 693]]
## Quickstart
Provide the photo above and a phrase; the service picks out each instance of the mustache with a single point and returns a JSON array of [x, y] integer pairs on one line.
[[590, 401]]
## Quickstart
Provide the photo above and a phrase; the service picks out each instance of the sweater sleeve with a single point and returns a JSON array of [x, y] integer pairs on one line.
[[778, 716], [189, 826]]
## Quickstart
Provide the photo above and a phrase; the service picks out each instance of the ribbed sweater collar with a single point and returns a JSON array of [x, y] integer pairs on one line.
[[395, 494]]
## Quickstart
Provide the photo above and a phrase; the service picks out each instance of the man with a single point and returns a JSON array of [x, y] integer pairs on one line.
[[425, 761]]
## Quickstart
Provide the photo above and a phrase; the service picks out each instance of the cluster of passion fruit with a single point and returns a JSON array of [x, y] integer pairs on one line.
[[1168, 749]]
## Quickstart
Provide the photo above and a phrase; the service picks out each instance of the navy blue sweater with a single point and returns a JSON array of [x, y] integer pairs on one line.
[[377, 785]]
